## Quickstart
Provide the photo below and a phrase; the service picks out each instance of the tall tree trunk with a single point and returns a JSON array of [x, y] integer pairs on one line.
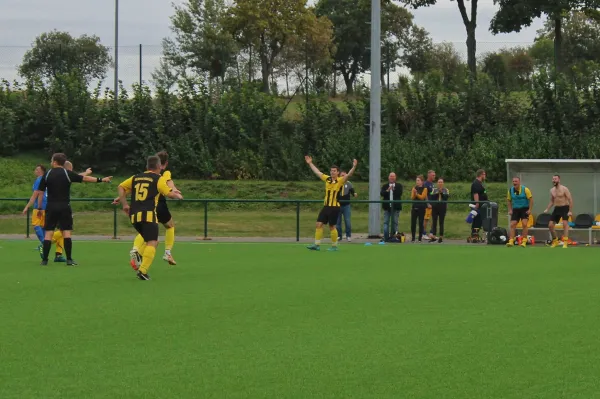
[[470, 26], [266, 73], [558, 43], [334, 83]]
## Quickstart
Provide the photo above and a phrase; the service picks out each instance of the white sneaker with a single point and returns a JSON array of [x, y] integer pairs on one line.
[[348, 239], [135, 259]]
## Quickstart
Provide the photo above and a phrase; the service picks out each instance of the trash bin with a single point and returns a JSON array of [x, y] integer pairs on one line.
[[489, 223]]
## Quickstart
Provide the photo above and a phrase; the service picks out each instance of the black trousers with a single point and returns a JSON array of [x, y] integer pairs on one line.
[[417, 214], [477, 223], [438, 214]]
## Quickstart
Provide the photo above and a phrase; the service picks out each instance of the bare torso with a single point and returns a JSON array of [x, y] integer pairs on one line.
[[561, 195]]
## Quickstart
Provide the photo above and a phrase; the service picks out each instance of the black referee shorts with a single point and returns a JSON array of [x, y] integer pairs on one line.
[[162, 213], [61, 217], [148, 231]]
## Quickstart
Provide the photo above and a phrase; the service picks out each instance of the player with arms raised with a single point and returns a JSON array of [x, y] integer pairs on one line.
[[146, 188], [561, 199], [331, 206]]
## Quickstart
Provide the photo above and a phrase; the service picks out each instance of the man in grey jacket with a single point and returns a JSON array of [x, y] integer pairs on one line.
[[344, 199]]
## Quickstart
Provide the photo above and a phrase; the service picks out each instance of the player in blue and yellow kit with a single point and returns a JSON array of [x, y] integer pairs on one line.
[[37, 221], [331, 205]]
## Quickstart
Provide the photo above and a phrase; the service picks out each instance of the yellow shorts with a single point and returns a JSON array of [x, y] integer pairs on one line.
[[427, 213], [37, 221]]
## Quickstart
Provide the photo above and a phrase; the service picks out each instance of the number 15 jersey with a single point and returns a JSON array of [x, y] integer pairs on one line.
[[145, 190]]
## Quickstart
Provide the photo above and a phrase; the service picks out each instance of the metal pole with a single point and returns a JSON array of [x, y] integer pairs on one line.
[[27, 226], [116, 84], [375, 127], [114, 223], [297, 221], [140, 65], [205, 220]]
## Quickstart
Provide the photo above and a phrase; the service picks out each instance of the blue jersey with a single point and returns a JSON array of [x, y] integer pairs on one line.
[[36, 185]]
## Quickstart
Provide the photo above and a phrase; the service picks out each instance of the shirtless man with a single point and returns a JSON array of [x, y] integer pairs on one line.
[[560, 198]]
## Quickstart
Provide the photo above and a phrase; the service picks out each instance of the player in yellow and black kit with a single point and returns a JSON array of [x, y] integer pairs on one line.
[[146, 188], [331, 209]]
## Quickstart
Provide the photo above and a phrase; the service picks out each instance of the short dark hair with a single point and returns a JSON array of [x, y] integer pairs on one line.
[[335, 167], [59, 158], [163, 156], [557, 175], [480, 172], [42, 167], [153, 162]]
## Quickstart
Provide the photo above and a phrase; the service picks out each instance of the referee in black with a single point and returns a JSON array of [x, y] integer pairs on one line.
[[57, 182]]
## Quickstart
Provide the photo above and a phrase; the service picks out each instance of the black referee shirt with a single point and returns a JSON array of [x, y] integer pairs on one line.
[[57, 182]]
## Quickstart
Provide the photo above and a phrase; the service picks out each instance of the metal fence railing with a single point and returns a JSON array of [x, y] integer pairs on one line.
[[205, 206]]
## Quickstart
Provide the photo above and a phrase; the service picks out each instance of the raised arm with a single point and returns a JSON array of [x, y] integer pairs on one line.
[[87, 172], [312, 166], [351, 172], [92, 179], [509, 203]]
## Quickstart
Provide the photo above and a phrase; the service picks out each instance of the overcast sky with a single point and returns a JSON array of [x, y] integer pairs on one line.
[[147, 22]]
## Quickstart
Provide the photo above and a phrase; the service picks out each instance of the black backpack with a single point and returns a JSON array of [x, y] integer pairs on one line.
[[496, 234], [584, 221]]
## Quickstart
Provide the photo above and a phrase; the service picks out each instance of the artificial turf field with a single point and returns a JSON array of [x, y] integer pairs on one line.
[[278, 321]]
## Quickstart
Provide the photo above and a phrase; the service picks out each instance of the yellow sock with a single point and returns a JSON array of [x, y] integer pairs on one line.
[[58, 238], [318, 236], [334, 237], [138, 243], [148, 258], [142, 249], [169, 239]]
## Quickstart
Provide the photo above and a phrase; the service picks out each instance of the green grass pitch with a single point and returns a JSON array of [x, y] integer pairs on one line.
[[278, 321]]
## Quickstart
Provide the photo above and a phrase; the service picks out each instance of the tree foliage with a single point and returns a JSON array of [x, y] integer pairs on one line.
[[469, 18], [56, 53]]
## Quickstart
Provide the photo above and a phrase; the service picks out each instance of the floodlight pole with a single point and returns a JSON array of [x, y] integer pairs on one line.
[[375, 125], [116, 83]]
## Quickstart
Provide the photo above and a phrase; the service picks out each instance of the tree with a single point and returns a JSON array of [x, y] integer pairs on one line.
[[510, 68], [580, 38], [267, 26], [201, 44], [417, 56], [513, 15], [352, 35], [470, 22], [58, 53], [445, 59]]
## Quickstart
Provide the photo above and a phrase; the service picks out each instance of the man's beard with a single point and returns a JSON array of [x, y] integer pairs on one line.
[[555, 184]]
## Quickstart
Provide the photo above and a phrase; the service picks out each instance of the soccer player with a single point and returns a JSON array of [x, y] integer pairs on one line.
[[57, 181], [429, 185], [520, 204], [561, 199], [331, 206], [146, 188], [164, 217], [36, 220]]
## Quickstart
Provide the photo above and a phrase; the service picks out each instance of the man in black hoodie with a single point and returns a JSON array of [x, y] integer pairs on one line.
[[391, 191]]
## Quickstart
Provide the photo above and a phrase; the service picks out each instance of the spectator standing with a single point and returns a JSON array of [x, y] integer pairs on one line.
[[418, 193], [344, 199], [391, 191], [478, 193], [438, 209], [429, 185]]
